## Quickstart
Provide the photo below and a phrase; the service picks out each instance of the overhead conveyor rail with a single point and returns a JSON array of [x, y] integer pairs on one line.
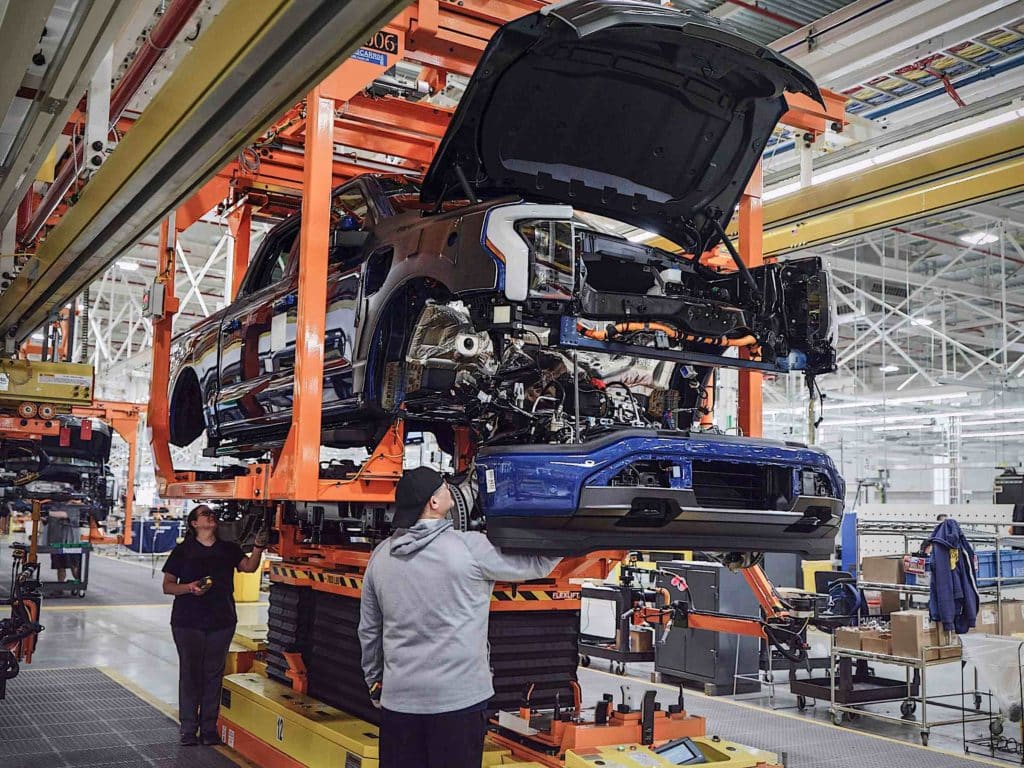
[[253, 62], [980, 167]]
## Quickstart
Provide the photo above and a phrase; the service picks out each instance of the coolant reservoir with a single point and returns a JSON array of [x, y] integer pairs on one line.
[[670, 275]]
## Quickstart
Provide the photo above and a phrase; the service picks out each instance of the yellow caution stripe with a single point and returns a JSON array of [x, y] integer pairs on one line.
[[530, 595]]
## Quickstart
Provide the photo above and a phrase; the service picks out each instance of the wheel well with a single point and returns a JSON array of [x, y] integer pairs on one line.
[[395, 323], [186, 409]]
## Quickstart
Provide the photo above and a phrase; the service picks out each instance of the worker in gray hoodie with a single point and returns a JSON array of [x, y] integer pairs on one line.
[[423, 628]]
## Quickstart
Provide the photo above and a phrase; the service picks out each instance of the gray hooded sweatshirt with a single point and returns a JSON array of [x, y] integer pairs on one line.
[[423, 620]]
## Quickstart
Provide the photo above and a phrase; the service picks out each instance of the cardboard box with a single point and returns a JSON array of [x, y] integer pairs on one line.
[[912, 632], [1012, 614], [875, 641], [848, 637], [882, 570], [640, 640], [987, 622], [889, 602]]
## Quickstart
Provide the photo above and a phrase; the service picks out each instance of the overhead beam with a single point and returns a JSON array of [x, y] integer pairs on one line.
[[253, 62], [854, 43], [965, 172], [998, 212], [21, 26], [896, 271], [92, 29]]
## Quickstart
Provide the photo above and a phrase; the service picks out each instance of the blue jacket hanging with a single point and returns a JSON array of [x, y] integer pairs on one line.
[[953, 598]]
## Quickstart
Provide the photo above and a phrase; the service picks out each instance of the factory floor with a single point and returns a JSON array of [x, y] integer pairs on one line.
[[122, 626]]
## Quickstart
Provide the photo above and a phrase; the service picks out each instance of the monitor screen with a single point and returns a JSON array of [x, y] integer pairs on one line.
[[682, 752]]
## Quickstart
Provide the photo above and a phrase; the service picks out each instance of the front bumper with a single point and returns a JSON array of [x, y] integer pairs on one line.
[[539, 500]]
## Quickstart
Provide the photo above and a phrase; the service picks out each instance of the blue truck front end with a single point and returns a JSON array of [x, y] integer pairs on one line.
[[643, 489]]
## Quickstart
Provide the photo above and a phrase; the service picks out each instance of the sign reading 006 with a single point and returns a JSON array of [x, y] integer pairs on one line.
[[383, 41]]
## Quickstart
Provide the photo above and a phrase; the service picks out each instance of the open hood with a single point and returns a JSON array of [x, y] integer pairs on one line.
[[645, 114]]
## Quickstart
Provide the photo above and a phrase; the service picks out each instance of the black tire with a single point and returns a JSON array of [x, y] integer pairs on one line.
[[801, 702], [995, 727], [924, 738], [908, 707], [838, 718], [584, 661]]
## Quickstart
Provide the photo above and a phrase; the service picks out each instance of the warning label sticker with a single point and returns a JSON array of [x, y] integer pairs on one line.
[[5, 382], [69, 379]]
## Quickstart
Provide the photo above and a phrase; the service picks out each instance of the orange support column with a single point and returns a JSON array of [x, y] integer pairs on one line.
[[297, 473], [129, 431], [240, 224], [751, 233], [158, 411]]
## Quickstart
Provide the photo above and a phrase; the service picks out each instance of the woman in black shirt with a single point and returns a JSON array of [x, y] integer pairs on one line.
[[199, 572]]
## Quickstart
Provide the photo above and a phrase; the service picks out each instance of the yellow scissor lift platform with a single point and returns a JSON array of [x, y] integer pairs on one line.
[[274, 725]]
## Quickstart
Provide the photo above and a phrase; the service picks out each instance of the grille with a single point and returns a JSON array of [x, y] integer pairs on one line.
[[735, 485]]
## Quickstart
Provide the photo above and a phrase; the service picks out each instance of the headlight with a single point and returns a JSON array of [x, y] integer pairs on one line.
[[552, 257]]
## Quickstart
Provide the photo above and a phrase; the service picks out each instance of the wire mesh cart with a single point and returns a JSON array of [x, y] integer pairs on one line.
[[850, 692], [1003, 569], [74, 587]]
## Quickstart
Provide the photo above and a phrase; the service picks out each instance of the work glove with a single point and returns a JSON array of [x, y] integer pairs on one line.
[[375, 691], [262, 538]]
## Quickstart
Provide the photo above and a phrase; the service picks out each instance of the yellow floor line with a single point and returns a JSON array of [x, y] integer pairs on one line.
[[168, 710], [47, 607], [141, 692], [688, 693]]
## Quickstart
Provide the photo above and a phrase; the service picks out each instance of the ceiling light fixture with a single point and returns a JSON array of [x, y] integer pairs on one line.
[[992, 435], [889, 368], [978, 238], [924, 322], [869, 402], [127, 266], [899, 427]]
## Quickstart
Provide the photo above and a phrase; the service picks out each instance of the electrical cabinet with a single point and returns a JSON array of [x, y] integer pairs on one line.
[[699, 656]]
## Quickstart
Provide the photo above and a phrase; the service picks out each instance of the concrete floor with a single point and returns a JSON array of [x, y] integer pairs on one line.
[[133, 639], [124, 624]]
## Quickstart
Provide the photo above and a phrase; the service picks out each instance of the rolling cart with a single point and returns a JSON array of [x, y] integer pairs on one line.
[[606, 621], [73, 587]]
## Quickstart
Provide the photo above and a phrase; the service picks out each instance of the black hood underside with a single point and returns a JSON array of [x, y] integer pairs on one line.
[[648, 115]]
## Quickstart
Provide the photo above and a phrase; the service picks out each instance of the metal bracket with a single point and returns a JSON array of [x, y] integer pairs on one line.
[[571, 338]]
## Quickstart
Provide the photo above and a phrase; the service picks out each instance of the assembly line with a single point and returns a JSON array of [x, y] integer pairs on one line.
[[534, 337]]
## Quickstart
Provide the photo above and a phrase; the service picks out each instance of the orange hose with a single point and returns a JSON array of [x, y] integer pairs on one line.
[[720, 341]]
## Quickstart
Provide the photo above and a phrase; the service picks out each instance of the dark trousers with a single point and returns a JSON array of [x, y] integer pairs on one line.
[[447, 740], [201, 658]]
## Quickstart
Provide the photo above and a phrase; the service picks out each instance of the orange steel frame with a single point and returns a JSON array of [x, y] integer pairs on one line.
[[446, 38], [123, 418]]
